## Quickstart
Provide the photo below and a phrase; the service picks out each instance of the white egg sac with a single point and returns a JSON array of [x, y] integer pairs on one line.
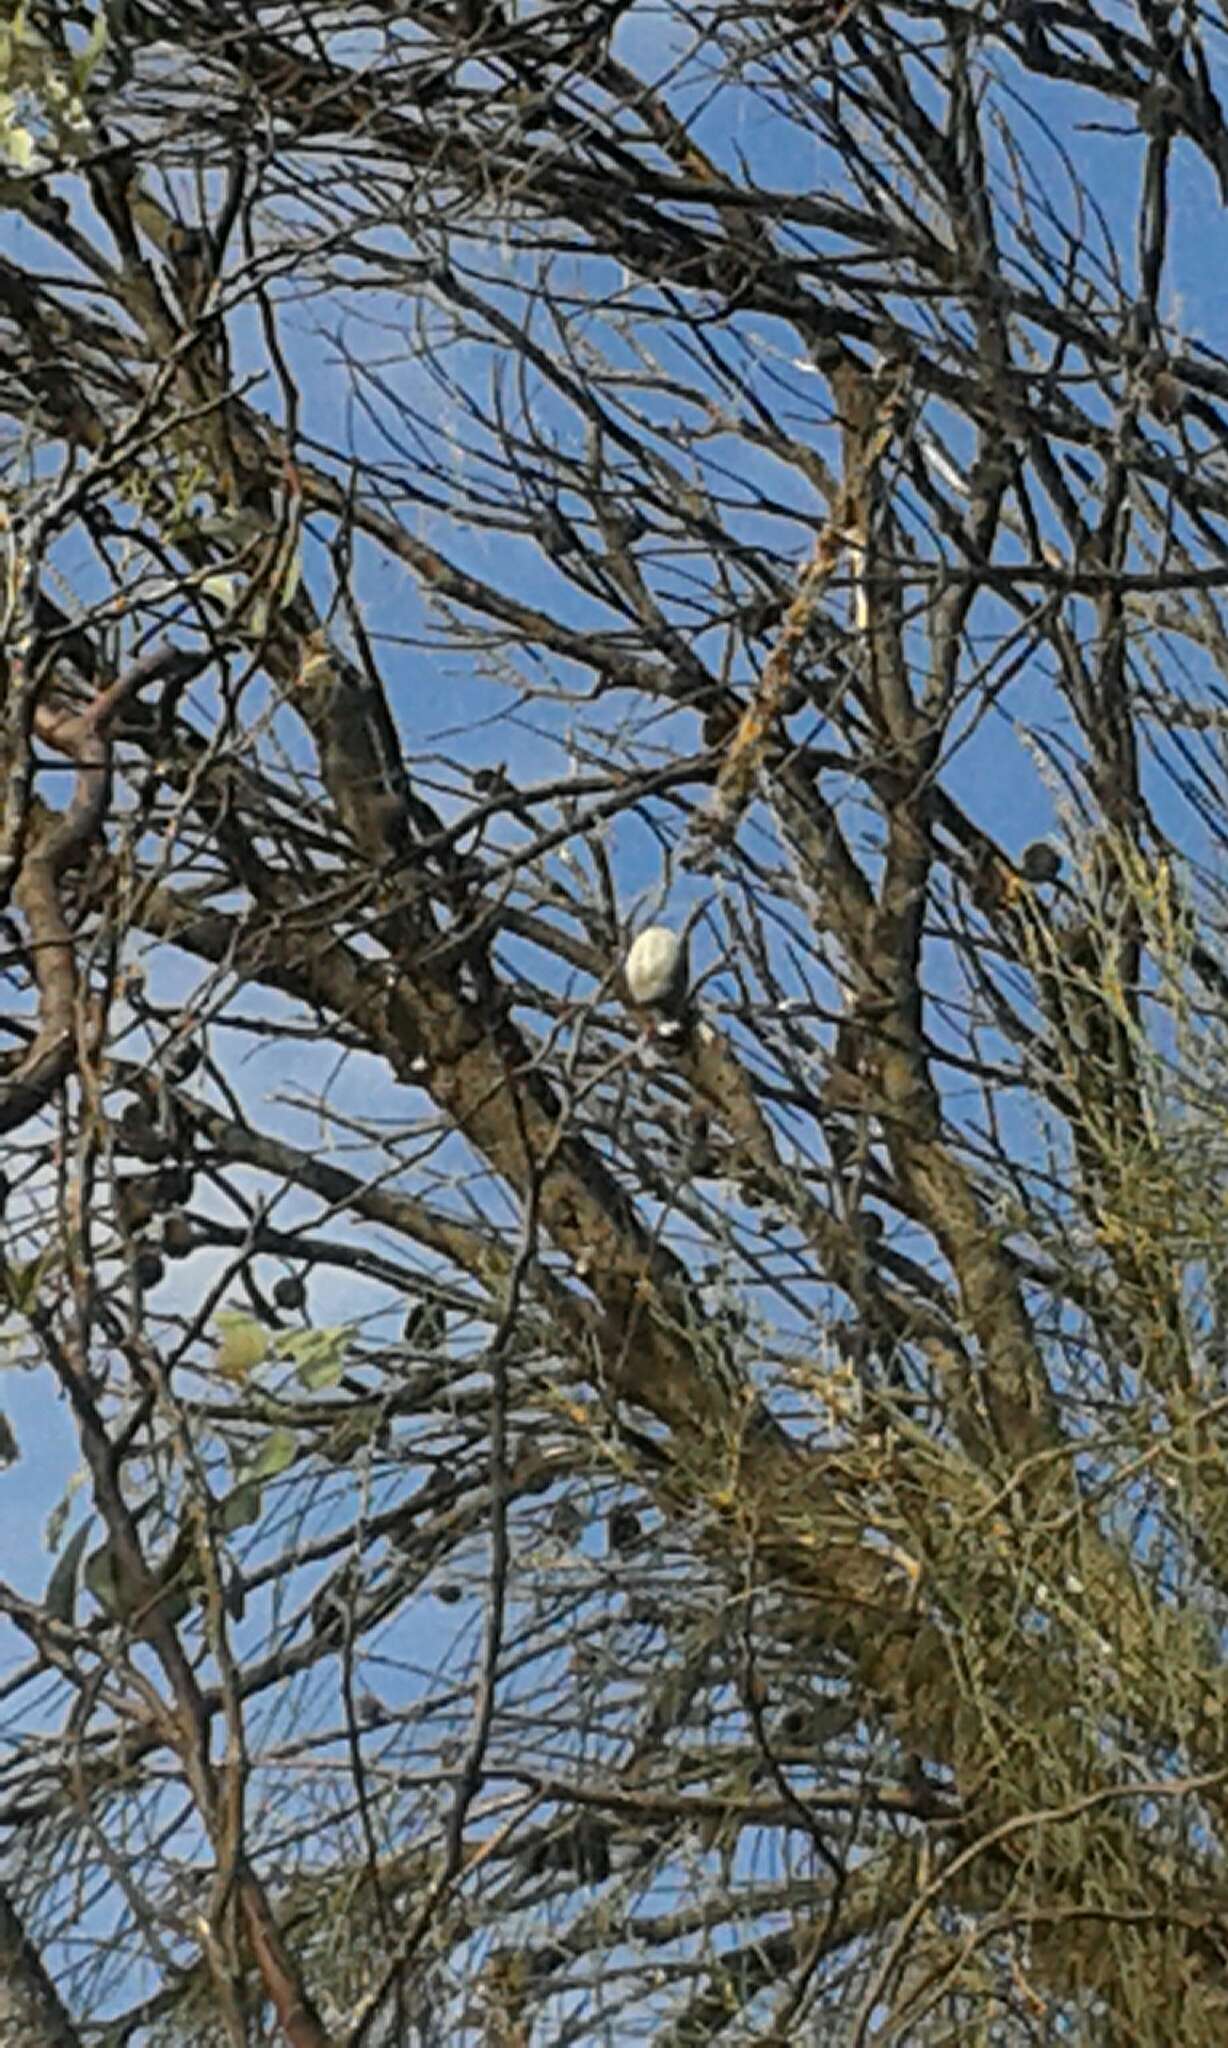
[[656, 969]]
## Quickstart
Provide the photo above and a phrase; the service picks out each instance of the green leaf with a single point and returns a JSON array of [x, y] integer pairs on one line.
[[240, 1507], [235, 526], [18, 145], [352, 1435], [21, 1281], [172, 1608], [60, 1598], [279, 1449], [102, 1580], [57, 1520], [144, 1606], [244, 1343], [318, 1356]]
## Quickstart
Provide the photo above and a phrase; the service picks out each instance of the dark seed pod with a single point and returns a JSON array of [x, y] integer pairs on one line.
[[566, 1521], [590, 1850], [181, 1061], [1166, 396], [555, 534], [173, 1185], [537, 1479], [720, 721], [625, 1530], [1040, 862], [149, 1268], [425, 1325], [137, 1203], [762, 615], [178, 1236], [289, 1291], [137, 1132]]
